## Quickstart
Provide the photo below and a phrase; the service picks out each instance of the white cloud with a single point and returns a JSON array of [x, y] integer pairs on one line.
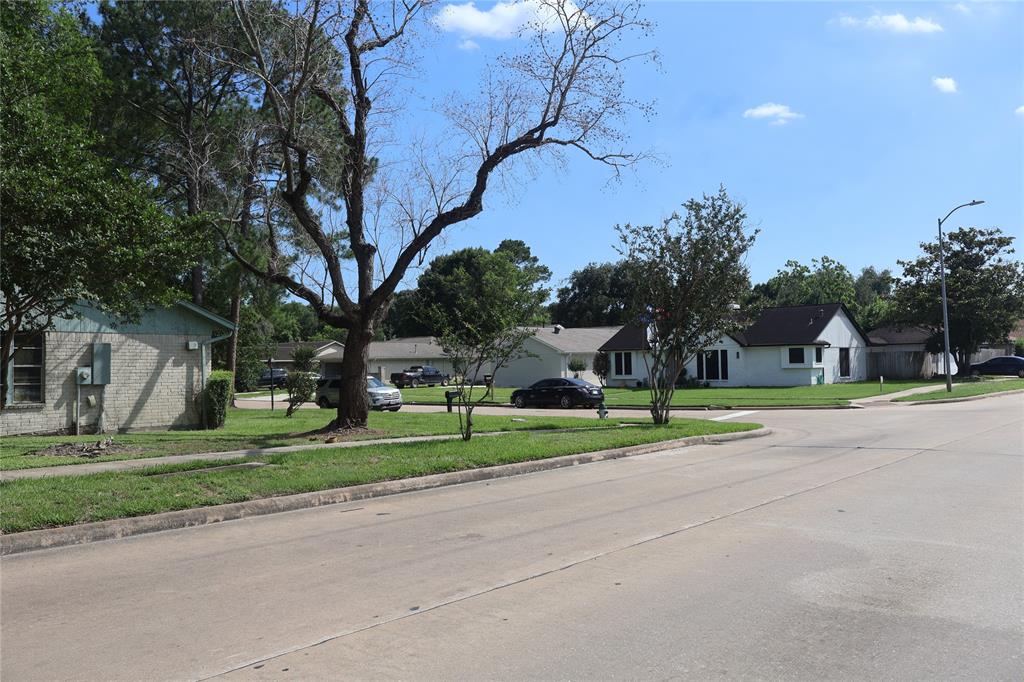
[[962, 8], [944, 84], [468, 44], [893, 23], [502, 20], [1019, 110], [780, 114]]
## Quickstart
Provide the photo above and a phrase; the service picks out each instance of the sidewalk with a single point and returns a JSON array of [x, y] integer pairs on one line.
[[886, 397], [129, 464]]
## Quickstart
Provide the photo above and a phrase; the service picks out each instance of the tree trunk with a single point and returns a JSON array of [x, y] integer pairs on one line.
[[236, 318], [467, 433], [353, 402], [6, 349]]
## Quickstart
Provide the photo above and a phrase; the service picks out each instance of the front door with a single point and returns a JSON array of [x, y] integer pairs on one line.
[[844, 363]]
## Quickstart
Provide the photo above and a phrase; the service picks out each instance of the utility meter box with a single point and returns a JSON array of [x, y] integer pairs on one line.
[[83, 376], [192, 345], [100, 364]]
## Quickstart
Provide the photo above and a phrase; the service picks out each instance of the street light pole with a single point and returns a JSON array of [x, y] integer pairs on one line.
[[945, 306]]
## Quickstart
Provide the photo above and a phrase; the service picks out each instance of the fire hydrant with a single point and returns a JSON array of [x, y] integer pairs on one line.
[[602, 411]]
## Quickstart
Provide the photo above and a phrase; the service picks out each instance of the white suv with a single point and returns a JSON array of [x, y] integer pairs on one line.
[[382, 396]]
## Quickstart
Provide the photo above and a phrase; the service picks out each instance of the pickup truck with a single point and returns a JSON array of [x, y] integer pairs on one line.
[[418, 375]]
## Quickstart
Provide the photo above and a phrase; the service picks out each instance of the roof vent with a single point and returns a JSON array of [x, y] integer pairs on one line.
[[557, 328]]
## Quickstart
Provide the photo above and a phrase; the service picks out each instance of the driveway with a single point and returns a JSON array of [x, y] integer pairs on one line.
[[851, 544]]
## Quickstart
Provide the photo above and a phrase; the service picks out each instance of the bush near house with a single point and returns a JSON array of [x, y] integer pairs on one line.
[[217, 396]]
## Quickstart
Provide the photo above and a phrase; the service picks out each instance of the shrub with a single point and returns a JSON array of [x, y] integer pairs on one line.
[[301, 382], [217, 397], [577, 365], [1018, 348]]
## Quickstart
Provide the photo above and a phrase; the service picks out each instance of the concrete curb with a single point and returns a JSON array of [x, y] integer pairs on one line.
[[965, 399], [28, 541], [696, 408]]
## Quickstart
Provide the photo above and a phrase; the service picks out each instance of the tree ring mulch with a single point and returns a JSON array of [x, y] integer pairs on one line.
[[106, 446], [329, 434]]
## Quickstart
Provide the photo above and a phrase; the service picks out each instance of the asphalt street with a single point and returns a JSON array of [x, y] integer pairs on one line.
[[880, 543]]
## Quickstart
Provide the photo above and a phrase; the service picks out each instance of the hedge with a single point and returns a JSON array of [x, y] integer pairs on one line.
[[218, 397]]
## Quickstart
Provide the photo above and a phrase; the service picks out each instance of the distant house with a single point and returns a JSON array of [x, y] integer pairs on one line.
[[546, 354], [549, 352], [899, 353], [786, 346], [105, 375], [385, 357], [283, 352]]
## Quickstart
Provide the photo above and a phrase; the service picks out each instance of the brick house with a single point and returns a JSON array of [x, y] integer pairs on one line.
[[117, 376]]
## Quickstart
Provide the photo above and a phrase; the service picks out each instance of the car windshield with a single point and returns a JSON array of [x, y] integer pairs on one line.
[[374, 382]]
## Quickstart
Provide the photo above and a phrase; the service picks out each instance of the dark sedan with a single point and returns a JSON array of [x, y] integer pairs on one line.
[[1005, 365], [561, 392]]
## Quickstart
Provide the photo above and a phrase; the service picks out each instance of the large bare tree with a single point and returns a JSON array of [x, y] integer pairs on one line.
[[370, 196]]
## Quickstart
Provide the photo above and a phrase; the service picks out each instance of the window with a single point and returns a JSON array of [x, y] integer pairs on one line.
[[713, 365], [796, 356], [624, 363], [844, 362], [817, 353], [26, 370]]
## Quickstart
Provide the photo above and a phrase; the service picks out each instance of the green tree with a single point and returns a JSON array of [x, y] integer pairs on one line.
[[75, 227], [602, 366], [595, 296], [478, 304], [403, 317], [985, 291], [689, 271]]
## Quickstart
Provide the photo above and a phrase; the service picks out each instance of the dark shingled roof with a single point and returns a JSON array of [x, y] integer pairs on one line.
[[798, 325], [884, 336]]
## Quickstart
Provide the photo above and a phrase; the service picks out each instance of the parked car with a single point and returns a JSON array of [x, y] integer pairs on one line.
[[272, 377], [1003, 365], [417, 375], [382, 396], [562, 392]]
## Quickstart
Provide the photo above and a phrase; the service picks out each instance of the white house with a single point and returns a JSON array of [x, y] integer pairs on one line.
[[547, 354], [787, 346]]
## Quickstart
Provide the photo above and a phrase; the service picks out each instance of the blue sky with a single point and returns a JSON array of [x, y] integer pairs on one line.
[[862, 152]]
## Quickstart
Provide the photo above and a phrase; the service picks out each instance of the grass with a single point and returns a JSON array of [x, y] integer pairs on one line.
[[754, 396], [964, 390], [66, 500], [265, 428]]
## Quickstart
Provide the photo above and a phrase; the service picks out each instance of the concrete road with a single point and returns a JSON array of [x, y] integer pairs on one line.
[[883, 543]]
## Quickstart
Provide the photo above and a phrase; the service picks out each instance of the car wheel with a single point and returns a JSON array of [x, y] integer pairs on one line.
[[324, 402], [394, 409], [414, 384], [1020, 373], [565, 402], [520, 403], [975, 373], [444, 382]]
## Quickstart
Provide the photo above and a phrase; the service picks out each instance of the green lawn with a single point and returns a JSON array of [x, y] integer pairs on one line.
[[265, 428], [967, 389], [796, 396], [65, 500]]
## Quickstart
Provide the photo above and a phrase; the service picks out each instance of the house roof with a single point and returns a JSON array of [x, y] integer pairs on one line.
[[885, 336], [1017, 332], [203, 312], [630, 337], [792, 325], [419, 347], [799, 325], [283, 351], [575, 339]]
